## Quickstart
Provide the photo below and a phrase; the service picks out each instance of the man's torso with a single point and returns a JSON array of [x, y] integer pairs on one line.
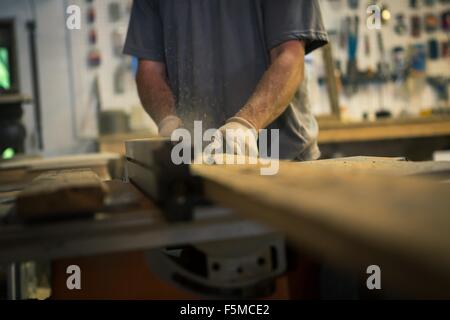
[[216, 54]]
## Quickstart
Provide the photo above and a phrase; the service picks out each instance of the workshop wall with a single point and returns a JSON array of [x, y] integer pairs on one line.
[[54, 60], [393, 97], [102, 36], [53, 63], [68, 80], [21, 11], [69, 99]]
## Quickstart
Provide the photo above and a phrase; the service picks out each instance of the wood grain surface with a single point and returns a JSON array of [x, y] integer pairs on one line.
[[61, 193], [350, 216]]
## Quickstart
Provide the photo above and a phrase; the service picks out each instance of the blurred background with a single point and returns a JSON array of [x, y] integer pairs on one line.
[[375, 91], [67, 91]]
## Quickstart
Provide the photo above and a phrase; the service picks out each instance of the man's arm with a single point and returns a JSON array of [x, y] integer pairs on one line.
[[154, 91], [278, 85]]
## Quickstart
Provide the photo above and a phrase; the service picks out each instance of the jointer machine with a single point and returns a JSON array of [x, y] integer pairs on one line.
[[235, 268], [352, 213], [222, 231]]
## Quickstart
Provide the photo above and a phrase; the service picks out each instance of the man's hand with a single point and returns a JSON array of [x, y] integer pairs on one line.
[[240, 137], [168, 125]]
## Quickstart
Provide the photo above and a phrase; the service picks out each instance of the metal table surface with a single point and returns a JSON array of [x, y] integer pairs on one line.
[[122, 229]]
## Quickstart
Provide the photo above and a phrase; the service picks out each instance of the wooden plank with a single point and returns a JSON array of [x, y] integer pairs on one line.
[[13, 176], [58, 194], [14, 98], [332, 86], [61, 163], [115, 143], [122, 137], [142, 150], [349, 217], [390, 166], [23, 171]]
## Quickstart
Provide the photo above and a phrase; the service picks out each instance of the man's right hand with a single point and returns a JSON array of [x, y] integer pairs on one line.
[[168, 125]]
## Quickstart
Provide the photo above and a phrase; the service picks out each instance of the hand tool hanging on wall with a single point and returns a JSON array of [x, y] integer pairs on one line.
[[440, 85], [445, 49], [367, 47], [352, 66], [383, 66], [343, 34], [431, 23], [115, 11], [416, 81], [332, 76], [94, 58], [384, 75], [416, 26], [418, 58], [91, 15], [31, 27], [93, 37], [400, 64], [414, 4], [429, 3], [353, 4], [446, 21], [433, 49], [400, 27]]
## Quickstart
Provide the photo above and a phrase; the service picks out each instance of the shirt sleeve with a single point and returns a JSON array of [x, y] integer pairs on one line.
[[286, 20], [145, 38]]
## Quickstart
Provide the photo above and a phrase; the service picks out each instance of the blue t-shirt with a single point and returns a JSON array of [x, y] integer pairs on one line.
[[216, 52]]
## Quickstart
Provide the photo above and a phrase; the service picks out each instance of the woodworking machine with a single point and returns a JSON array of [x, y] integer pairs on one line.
[[236, 268], [333, 212]]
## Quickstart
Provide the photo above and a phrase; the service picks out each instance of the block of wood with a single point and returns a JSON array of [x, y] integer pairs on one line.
[[23, 170], [61, 194]]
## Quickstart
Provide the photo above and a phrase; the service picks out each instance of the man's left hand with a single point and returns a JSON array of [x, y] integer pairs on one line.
[[240, 137]]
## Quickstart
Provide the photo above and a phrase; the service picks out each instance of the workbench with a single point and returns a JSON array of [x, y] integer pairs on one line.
[[137, 225], [347, 212], [414, 138], [344, 132]]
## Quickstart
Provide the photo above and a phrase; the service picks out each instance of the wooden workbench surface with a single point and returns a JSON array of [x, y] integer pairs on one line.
[[334, 131], [337, 131], [352, 213]]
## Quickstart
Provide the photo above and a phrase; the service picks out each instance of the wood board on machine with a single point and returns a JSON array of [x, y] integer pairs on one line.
[[349, 217], [59, 194]]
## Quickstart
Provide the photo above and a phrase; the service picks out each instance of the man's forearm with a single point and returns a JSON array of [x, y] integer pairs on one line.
[[154, 91], [277, 87]]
